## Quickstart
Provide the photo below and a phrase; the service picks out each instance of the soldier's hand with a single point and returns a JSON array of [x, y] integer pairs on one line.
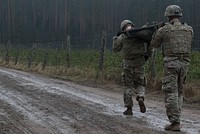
[[115, 38], [146, 56], [119, 33], [161, 24]]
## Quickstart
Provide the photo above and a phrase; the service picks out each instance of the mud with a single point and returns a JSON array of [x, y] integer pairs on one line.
[[34, 104]]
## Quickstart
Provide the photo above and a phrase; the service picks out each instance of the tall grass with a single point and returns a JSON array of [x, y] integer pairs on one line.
[[84, 65], [90, 59], [194, 71]]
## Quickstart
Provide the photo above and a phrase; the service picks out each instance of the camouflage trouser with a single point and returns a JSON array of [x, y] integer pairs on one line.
[[134, 82], [172, 85]]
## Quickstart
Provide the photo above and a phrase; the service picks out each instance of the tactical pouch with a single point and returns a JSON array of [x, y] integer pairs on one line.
[[168, 84]]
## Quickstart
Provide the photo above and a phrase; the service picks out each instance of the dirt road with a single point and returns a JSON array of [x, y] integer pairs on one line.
[[34, 104]]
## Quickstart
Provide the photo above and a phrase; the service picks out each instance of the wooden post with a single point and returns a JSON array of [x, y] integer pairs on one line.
[[103, 45], [56, 58], [17, 55], [152, 68], [68, 50], [46, 57], [102, 50], [6, 56], [31, 56]]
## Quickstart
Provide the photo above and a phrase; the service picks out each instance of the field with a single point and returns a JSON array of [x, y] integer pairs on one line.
[[86, 65]]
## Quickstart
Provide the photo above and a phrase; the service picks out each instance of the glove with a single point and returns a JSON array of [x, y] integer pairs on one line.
[[146, 56], [115, 37], [161, 24], [119, 33]]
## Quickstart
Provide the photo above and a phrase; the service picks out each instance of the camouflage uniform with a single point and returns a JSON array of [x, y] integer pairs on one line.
[[176, 38], [133, 71]]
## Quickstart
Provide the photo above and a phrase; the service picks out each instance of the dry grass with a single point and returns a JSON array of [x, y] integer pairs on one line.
[[74, 73], [192, 92], [89, 75]]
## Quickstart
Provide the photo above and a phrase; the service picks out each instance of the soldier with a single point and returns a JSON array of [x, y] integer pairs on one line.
[[133, 51], [176, 40]]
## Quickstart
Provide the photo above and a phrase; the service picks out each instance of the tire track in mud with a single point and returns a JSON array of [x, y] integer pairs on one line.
[[88, 122], [25, 106], [8, 120], [65, 107]]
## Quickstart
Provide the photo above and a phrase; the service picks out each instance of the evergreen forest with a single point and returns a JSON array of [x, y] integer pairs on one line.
[[42, 21]]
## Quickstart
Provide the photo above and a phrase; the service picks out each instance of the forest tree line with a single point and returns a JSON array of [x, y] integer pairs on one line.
[[32, 21]]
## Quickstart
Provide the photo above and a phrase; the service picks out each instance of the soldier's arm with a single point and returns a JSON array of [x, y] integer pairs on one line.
[[157, 38], [118, 42], [191, 30]]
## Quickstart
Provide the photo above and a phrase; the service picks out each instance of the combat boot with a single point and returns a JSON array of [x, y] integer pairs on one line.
[[141, 104], [128, 111], [173, 127]]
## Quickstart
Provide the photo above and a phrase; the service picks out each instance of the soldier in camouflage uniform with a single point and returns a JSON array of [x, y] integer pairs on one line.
[[133, 67], [176, 40]]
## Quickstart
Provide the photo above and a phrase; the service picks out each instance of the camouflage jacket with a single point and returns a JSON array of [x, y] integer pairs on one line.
[[130, 47], [175, 38], [133, 50]]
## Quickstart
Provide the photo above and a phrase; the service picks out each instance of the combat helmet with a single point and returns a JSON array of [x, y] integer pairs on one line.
[[173, 10], [124, 23]]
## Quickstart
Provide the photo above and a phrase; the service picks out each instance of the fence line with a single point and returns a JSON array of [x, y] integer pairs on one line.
[[97, 54]]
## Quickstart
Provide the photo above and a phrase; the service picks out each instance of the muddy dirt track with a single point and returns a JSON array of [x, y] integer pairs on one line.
[[34, 104]]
